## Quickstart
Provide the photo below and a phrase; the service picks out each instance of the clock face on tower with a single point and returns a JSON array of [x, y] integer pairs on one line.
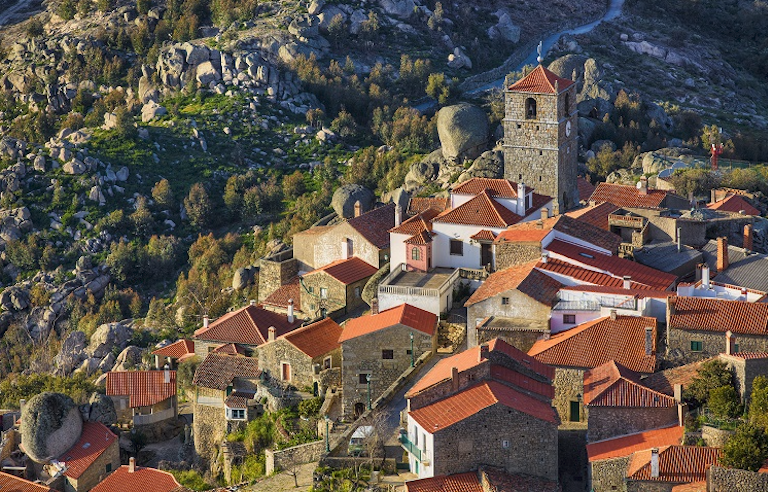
[[568, 129]]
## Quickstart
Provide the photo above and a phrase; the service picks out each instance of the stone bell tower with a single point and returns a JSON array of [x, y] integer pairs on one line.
[[540, 136]]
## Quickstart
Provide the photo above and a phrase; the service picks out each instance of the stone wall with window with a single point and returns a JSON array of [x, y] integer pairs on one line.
[[322, 291], [569, 397], [508, 304], [608, 422], [699, 344], [316, 248], [273, 355]]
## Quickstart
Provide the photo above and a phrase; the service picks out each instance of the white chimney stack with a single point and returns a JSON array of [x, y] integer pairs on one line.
[[728, 342], [614, 314], [167, 374], [679, 239], [398, 215], [290, 311], [544, 213], [205, 321], [271, 336], [521, 198], [344, 249], [544, 256], [627, 282], [705, 276], [655, 463], [253, 302], [132, 465]]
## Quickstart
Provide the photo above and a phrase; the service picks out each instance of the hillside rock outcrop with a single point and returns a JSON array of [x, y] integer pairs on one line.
[[50, 424]]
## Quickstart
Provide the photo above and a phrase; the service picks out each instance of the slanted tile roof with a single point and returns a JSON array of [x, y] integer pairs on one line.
[[94, 440], [10, 483], [483, 235], [468, 402], [629, 196], [460, 482], [541, 81], [218, 371], [634, 291], [496, 480], [418, 223], [745, 270], [284, 293], [229, 349], [524, 278], [247, 326], [373, 225], [718, 315], [239, 399], [316, 339], [665, 381], [617, 447], [144, 388], [404, 314], [536, 231], [585, 188], [180, 350], [751, 355], [423, 237], [561, 268], [597, 214], [347, 271], [420, 204], [140, 480], [471, 358], [614, 265], [521, 381], [613, 385], [530, 232], [691, 487], [502, 188], [481, 210], [735, 204], [676, 464], [598, 341]]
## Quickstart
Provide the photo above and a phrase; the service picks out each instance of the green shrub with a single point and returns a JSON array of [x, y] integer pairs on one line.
[[713, 374], [747, 449], [724, 402], [311, 407], [190, 479]]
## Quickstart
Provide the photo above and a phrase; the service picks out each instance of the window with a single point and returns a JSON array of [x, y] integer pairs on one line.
[[735, 348], [327, 363], [323, 293], [388, 354], [235, 414], [697, 346], [567, 105], [211, 348], [575, 410], [457, 247], [109, 468], [362, 378], [528, 201], [530, 108], [415, 254], [569, 319], [311, 290], [357, 292], [505, 301]]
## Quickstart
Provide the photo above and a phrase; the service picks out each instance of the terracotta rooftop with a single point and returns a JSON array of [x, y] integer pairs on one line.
[[481, 210], [284, 293], [316, 339], [525, 232], [613, 385], [420, 204], [691, 487], [180, 350], [497, 481], [423, 237], [735, 204], [11, 483], [218, 371], [468, 402], [541, 81], [239, 399], [718, 315], [471, 358], [634, 291], [751, 355], [665, 381], [460, 482], [617, 447], [418, 223], [676, 464], [94, 440], [613, 265], [502, 188], [628, 196], [247, 326], [141, 479], [404, 314], [524, 278], [144, 388], [598, 341], [596, 215], [347, 271], [373, 225], [533, 230], [557, 268], [483, 235], [229, 349], [585, 188]]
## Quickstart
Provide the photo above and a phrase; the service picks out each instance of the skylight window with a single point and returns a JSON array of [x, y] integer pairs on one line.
[[586, 255]]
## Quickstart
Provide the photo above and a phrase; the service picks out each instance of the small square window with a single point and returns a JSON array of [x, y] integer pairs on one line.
[[323, 293], [109, 468], [457, 247], [362, 378], [505, 301], [387, 354], [408, 352], [569, 319], [311, 290], [327, 363], [519, 126], [357, 292], [697, 346]]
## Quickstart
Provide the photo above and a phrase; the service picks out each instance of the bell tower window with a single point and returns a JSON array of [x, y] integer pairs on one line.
[[530, 109], [567, 103]]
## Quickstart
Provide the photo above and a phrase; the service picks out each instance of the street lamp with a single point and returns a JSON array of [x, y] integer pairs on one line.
[[413, 355], [368, 380], [327, 442]]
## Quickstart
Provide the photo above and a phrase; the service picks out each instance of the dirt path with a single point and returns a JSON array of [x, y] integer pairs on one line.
[[283, 481]]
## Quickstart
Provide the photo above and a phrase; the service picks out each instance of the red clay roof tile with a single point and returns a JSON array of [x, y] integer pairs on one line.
[[585, 188], [691, 487], [423, 237], [373, 225], [404, 314], [229, 349], [10, 483], [617, 447], [481, 210], [460, 482], [718, 315], [483, 235], [94, 440], [319, 338], [541, 81], [665, 381], [597, 214], [140, 480], [735, 204], [524, 278], [177, 349], [239, 399], [347, 271], [284, 293], [419, 222], [502, 188], [634, 291], [218, 371], [629, 196], [247, 326], [558, 268], [535, 231], [613, 385], [420, 204], [144, 388], [676, 464]]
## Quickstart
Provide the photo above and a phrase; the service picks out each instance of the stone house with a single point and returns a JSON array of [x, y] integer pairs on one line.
[[363, 236], [307, 357], [376, 349], [618, 403], [609, 458], [287, 298], [93, 457], [490, 405], [628, 340], [143, 397], [248, 327], [225, 387], [639, 196], [12, 483], [174, 353], [518, 301], [335, 288], [746, 366], [660, 469], [139, 478], [485, 479]]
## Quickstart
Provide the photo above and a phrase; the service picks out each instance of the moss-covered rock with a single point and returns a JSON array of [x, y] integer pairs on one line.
[[50, 424]]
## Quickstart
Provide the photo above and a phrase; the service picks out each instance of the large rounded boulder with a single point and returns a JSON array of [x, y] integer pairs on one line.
[[344, 199], [463, 130], [51, 423]]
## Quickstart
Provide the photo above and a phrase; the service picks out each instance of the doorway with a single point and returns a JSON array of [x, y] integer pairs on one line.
[[575, 410], [359, 409], [486, 256]]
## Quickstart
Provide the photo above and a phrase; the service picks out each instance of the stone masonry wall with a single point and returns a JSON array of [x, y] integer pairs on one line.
[[511, 254], [745, 371], [521, 340], [209, 428], [339, 296], [520, 306], [733, 480], [273, 274], [649, 486], [569, 384], [607, 422], [608, 475], [498, 436], [297, 455], [273, 355], [713, 343], [97, 471], [315, 249]]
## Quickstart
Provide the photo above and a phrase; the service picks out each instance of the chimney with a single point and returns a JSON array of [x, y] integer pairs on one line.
[[744, 293], [22, 404], [728, 342], [252, 302], [455, 379], [677, 391], [613, 314], [271, 336], [358, 208], [290, 311], [748, 237], [344, 249], [166, 374], [544, 213], [398, 215], [544, 256], [648, 340], [484, 351], [698, 271], [722, 254], [642, 186], [520, 198], [680, 413], [679, 239], [374, 306], [627, 282], [205, 321], [132, 465], [655, 463], [705, 275], [712, 196]]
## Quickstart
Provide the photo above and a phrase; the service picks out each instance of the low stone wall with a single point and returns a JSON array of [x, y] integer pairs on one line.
[[303, 453], [732, 480], [388, 465], [715, 437]]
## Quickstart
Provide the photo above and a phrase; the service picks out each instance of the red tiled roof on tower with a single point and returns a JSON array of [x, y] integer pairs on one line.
[[347, 271], [613, 385], [735, 204], [419, 222], [617, 447], [284, 293], [373, 225], [676, 464], [140, 480], [94, 440], [719, 315], [144, 388], [481, 210], [10, 483], [541, 81], [598, 341], [502, 188], [420, 204], [177, 350], [629, 196], [525, 278], [404, 314], [247, 326], [316, 339]]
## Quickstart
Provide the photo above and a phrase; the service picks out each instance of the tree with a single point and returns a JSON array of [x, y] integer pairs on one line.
[[162, 193], [67, 9], [724, 402], [293, 185], [747, 449], [713, 374], [124, 124], [198, 206], [437, 88], [758, 406]]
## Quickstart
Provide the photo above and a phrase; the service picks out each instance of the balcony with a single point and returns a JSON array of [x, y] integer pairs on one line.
[[406, 444]]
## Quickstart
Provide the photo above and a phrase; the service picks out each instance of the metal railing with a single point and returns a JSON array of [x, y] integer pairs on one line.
[[409, 446], [577, 306], [415, 291]]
